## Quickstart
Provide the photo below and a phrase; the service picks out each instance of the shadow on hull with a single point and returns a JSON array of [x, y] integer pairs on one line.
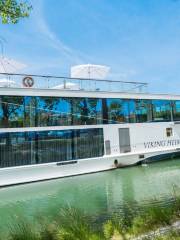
[[160, 157]]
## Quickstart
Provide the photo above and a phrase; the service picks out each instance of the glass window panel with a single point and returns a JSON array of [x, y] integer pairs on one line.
[[16, 149], [66, 109], [30, 111], [27, 148], [118, 110], [94, 112], [87, 111], [88, 143], [132, 114], [143, 110], [12, 111], [161, 110], [176, 110], [80, 111], [53, 111], [46, 111], [54, 146], [19, 111]]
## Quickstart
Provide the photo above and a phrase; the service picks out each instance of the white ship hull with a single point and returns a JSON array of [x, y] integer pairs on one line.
[[144, 142], [52, 131]]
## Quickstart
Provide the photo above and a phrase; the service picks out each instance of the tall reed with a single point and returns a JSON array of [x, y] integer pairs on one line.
[[72, 224]]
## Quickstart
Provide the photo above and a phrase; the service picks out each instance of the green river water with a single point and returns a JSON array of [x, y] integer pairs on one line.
[[99, 194]]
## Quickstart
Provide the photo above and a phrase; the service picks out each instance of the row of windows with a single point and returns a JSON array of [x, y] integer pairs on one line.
[[19, 111], [25, 148]]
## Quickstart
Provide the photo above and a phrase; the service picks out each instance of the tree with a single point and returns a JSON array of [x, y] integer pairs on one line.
[[12, 10]]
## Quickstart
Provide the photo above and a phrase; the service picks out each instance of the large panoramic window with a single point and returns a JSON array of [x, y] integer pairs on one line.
[[161, 110], [19, 111], [25, 148]]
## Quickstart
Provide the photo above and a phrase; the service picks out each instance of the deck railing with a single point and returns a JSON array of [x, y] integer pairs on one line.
[[11, 80]]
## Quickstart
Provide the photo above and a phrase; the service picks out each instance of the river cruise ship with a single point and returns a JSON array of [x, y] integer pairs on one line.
[[53, 127]]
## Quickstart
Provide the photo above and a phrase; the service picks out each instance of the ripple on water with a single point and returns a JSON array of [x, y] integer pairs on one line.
[[99, 194]]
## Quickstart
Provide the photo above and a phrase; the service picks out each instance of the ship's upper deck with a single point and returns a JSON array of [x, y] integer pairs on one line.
[[66, 83], [39, 85]]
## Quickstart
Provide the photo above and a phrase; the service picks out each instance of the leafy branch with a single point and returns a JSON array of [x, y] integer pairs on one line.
[[12, 10]]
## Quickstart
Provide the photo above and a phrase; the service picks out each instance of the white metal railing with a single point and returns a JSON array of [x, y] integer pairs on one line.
[[11, 80]]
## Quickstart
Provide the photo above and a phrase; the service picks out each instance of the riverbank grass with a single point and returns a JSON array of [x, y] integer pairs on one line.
[[71, 224]]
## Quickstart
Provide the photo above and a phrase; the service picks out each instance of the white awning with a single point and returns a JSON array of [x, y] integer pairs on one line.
[[90, 71]]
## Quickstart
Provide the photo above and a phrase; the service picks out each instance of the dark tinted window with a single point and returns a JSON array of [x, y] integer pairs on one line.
[[49, 146]]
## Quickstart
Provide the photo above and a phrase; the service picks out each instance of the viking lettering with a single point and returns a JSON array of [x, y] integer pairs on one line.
[[162, 143]]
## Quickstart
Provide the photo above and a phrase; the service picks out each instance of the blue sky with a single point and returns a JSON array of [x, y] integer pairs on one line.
[[138, 39]]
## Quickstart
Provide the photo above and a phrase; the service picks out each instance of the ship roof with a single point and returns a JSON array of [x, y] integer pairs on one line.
[[46, 85]]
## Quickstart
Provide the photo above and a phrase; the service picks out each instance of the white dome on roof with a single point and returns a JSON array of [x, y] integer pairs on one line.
[[90, 71]]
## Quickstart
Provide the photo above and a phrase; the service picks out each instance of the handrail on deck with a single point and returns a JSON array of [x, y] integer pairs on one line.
[[51, 82]]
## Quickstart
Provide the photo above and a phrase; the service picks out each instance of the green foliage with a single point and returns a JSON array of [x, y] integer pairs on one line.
[[152, 218], [49, 232], [113, 230], [22, 230], [108, 229], [12, 10], [72, 224]]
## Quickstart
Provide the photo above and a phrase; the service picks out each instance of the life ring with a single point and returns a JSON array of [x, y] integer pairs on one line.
[[28, 81]]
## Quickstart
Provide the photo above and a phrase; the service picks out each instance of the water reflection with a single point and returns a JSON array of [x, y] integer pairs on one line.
[[96, 194]]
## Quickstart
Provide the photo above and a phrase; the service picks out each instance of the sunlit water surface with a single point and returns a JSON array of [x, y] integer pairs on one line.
[[99, 195]]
